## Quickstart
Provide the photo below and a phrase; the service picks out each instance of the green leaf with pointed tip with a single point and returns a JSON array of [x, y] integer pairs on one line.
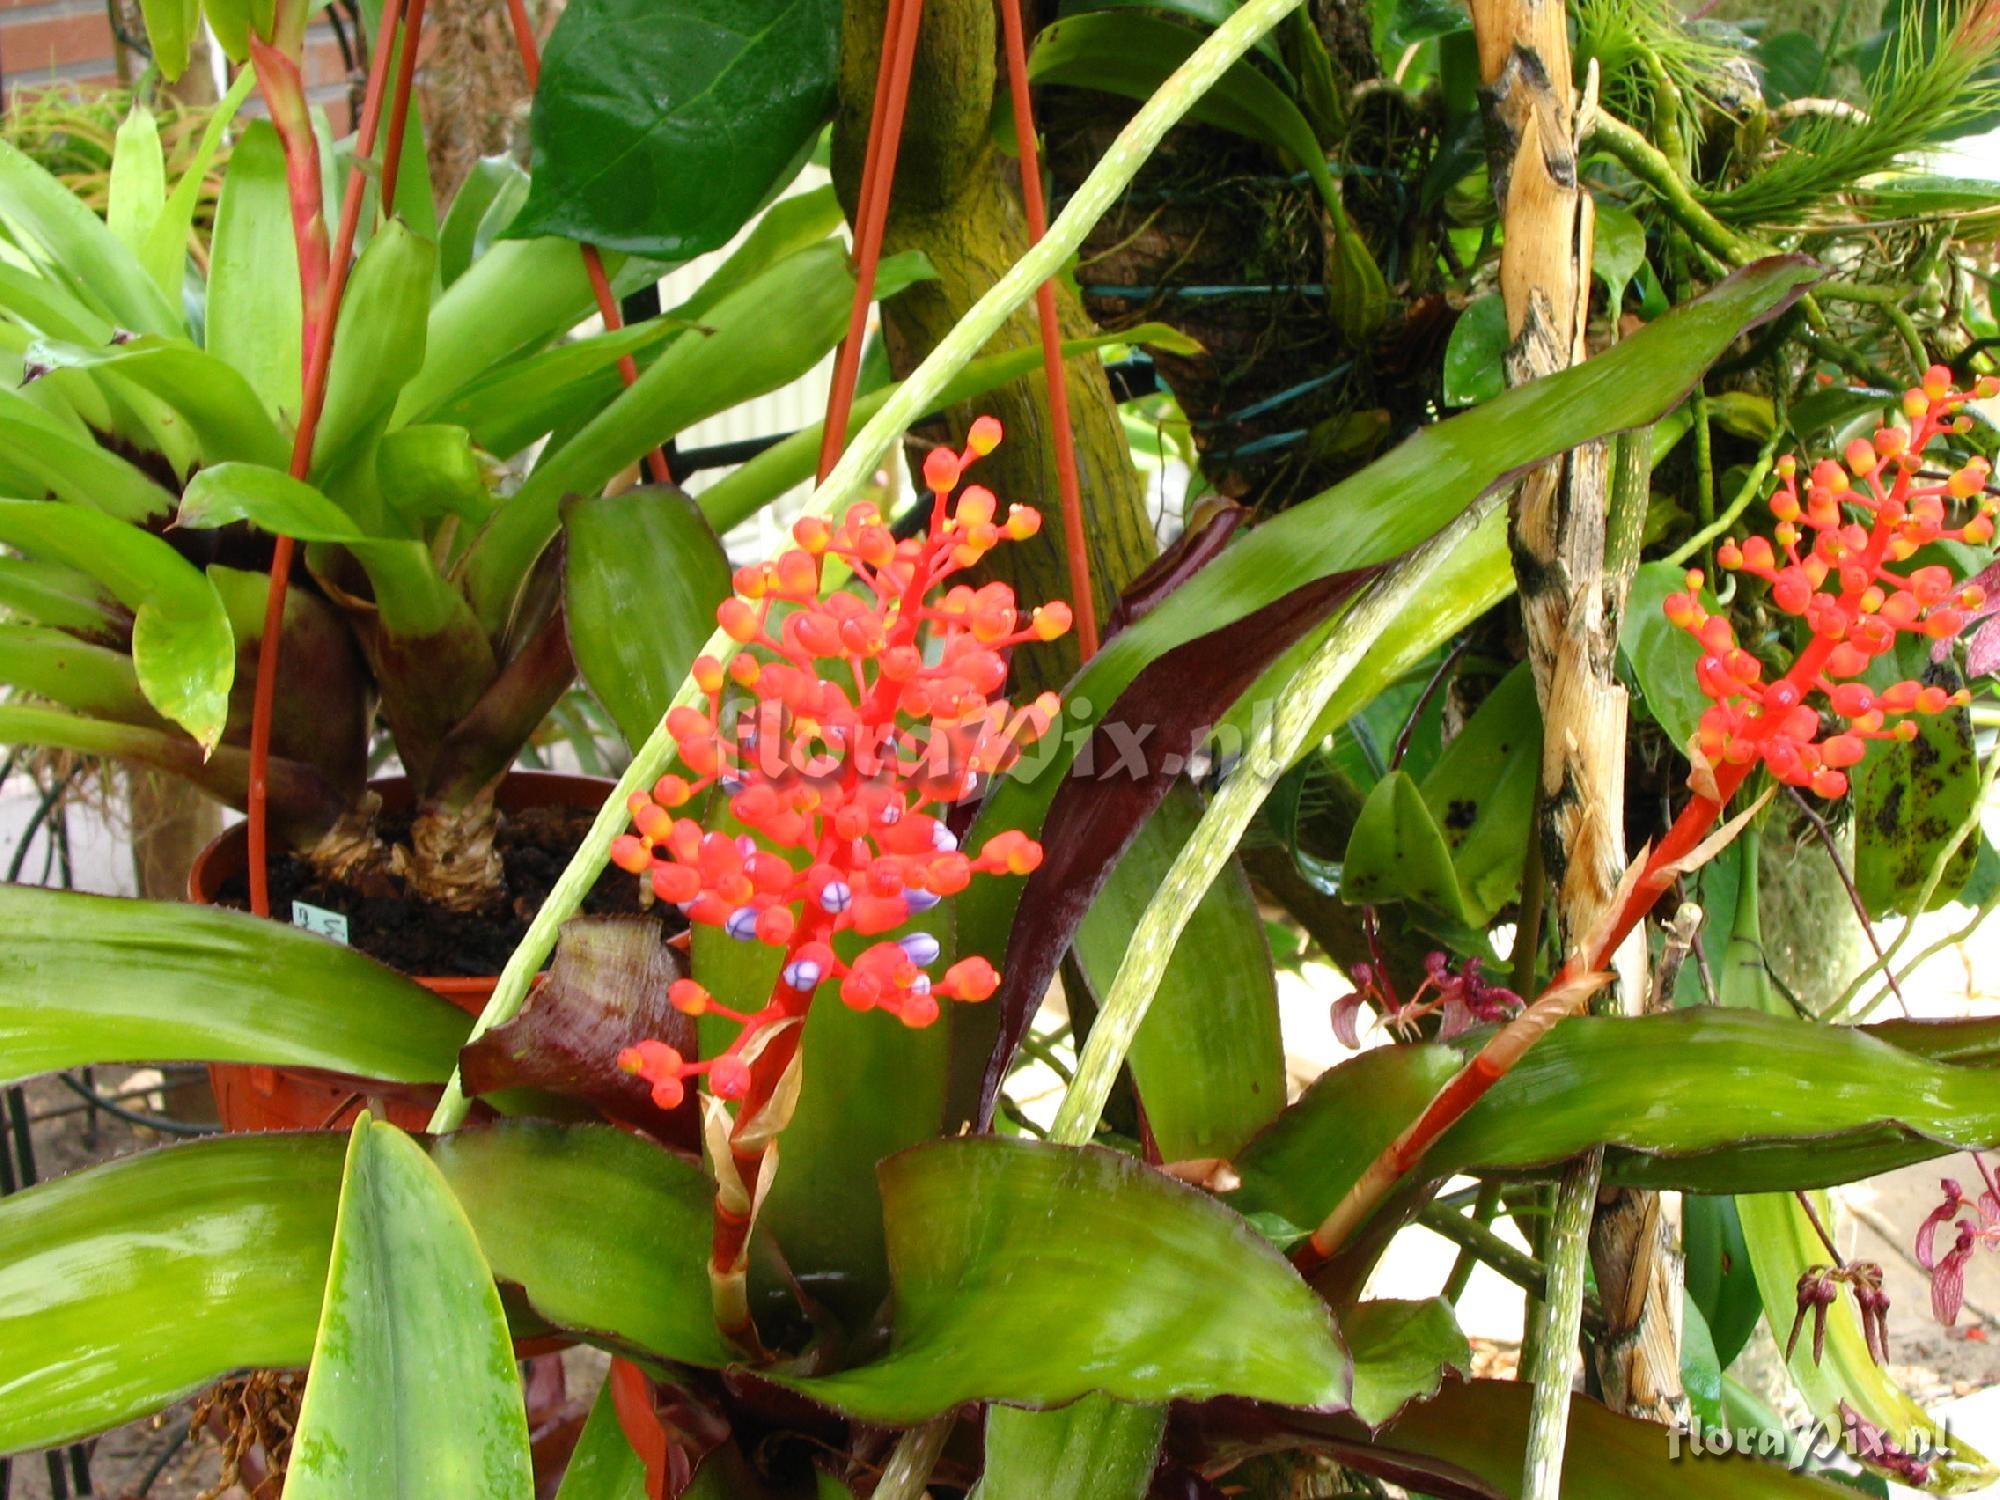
[[1617, 252], [1481, 793], [412, 1390], [706, 115], [44, 306], [1701, 1100], [182, 646], [101, 979], [58, 231], [1402, 1351], [55, 665], [253, 276], [603, 1466], [1397, 852], [137, 191], [166, 250], [492, 181], [128, 1285], [999, 1251], [650, 545], [1096, 1446], [379, 345]]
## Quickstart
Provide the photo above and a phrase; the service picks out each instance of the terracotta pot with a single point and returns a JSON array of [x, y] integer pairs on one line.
[[255, 1097]]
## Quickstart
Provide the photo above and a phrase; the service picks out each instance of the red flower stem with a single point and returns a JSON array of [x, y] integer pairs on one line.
[[399, 111], [878, 174], [317, 330], [593, 262], [1083, 601]]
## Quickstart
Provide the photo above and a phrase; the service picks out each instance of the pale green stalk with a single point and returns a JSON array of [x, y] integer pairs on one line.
[[1752, 486], [1208, 850], [1555, 1344], [912, 399], [911, 1461]]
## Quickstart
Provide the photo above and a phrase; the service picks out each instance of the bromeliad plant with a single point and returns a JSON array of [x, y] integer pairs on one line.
[[151, 410]]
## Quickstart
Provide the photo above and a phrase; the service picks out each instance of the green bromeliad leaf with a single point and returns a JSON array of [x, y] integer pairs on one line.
[[1002, 1254], [182, 648], [195, 984], [413, 1391]]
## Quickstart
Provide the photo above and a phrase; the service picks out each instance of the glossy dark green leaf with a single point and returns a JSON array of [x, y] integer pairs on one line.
[[1096, 1446], [182, 646], [644, 573], [1703, 1100], [1218, 1001], [128, 1285], [1481, 793], [1618, 250], [413, 1391], [1660, 654], [253, 277], [1402, 1352], [1909, 801], [1034, 1274], [1473, 371], [1397, 853], [99, 979], [1386, 508], [660, 128]]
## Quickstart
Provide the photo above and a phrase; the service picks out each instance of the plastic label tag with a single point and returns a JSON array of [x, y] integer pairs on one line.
[[318, 919]]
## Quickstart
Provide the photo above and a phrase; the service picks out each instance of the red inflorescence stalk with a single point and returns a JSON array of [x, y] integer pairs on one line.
[[321, 311], [878, 175], [399, 109], [1074, 539], [839, 736], [1844, 586]]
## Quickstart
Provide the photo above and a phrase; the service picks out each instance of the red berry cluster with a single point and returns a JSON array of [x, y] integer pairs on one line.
[[837, 736], [1835, 572]]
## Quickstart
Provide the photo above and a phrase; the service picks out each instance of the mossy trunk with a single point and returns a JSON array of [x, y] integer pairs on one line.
[[957, 200]]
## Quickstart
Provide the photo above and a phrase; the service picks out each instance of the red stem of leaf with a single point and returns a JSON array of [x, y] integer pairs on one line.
[[878, 173], [1082, 598], [318, 330]]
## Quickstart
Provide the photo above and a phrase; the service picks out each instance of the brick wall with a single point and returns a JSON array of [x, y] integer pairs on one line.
[[71, 41]]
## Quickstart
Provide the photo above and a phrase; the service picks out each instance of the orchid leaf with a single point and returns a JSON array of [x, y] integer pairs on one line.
[[1910, 799], [1481, 793], [166, 249], [170, 27], [1397, 853], [413, 1391], [182, 647], [55, 665], [221, 412], [1095, 1446], [603, 1466], [98, 979], [379, 345], [69, 243], [79, 472], [1402, 1353], [137, 189]]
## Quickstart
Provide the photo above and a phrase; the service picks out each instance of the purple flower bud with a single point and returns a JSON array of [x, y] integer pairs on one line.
[[918, 900], [921, 946], [742, 924], [803, 974], [836, 897]]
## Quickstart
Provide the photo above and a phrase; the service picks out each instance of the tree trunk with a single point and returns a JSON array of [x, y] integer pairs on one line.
[[1571, 599], [957, 199]]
